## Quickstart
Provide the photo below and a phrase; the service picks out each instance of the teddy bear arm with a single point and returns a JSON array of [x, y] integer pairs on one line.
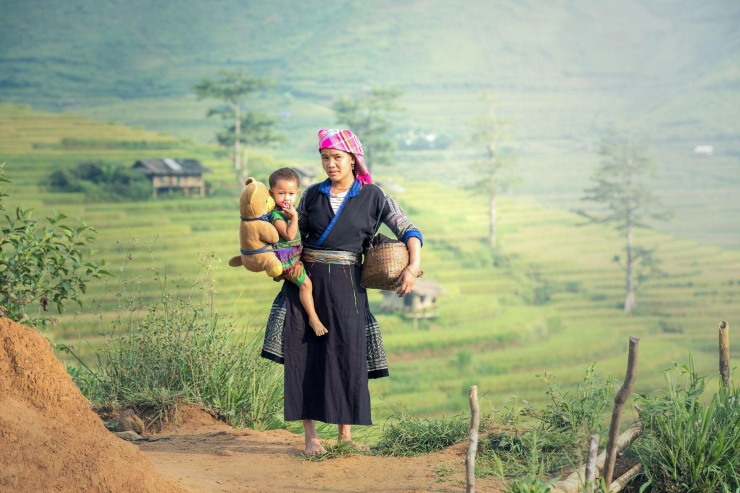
[[268, 233]]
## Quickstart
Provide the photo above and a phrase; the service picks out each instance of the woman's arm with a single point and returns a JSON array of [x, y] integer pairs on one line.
[[405, 230], [302, 218], [398, 222]]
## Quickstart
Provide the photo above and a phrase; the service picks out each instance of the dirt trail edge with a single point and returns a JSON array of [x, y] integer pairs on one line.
[[205, 455]]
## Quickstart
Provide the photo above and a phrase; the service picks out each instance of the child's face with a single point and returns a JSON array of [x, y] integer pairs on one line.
[[285, 193]]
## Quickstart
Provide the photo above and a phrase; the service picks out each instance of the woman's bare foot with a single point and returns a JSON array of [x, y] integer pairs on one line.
[[317, 326], [314, 447], [355, 446], [344, 435]]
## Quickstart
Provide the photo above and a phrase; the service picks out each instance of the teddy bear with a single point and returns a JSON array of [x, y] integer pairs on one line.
[[256, 233]]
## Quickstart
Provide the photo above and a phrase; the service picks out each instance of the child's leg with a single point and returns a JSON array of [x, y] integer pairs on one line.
[[305, 293]]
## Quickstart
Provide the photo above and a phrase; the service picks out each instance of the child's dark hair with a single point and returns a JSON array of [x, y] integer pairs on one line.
[[284, 174]]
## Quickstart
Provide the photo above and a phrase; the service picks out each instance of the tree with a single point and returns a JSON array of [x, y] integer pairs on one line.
[[42, 264], [628, 203], [490, 131], [250, 128], [368, 116]]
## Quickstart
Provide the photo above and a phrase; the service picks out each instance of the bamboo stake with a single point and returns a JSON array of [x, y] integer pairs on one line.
[[574, 483], [619, 400], [473, 445], [593, 449], [619, 484], [724, 353]]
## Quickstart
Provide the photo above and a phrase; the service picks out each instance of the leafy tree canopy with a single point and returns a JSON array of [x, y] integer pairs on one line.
[[369, 115]]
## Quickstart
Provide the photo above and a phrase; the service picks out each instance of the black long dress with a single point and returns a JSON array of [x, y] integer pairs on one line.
[[326, 378]]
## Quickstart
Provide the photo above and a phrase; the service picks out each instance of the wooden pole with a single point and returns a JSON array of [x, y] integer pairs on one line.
[[593, 450], [574, 483], [473, 445], [724, 353], [619, 400]]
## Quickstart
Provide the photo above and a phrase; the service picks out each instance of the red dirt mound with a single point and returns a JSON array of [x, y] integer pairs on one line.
[[50, 440]]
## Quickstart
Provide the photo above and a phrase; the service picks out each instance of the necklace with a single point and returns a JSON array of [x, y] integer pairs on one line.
[[340, 189]]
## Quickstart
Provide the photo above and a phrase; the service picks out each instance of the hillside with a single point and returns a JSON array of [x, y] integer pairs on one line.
[[548, 301], [561, 70]]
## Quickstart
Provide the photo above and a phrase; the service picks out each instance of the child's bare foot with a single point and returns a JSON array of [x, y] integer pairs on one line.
[[318, 327], [314, 447]]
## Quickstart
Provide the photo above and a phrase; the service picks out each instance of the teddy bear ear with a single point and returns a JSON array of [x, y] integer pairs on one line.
[[249, 180]]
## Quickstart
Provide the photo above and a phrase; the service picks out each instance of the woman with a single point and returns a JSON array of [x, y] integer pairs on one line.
[[326, 378]]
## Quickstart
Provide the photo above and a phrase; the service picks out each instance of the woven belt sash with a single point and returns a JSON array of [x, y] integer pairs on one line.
[[331, 257]]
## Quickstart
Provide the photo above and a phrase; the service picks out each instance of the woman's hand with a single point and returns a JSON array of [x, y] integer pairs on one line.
[[407, 280]]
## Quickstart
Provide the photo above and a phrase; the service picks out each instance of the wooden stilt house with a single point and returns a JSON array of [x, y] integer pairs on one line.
[[421, 303], [170, 175]]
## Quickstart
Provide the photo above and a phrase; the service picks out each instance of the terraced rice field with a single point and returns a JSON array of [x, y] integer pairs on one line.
[[547, 300]]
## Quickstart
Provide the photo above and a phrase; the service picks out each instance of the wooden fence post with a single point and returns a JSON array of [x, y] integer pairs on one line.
[[619, 400], [473, 444], [724, 353]]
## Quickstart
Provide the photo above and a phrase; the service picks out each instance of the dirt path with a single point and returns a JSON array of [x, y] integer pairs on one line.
[[204, 455]]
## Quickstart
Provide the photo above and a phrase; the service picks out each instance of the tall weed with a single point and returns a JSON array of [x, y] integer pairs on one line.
[[687, 445], [533, 443], [178, 349]]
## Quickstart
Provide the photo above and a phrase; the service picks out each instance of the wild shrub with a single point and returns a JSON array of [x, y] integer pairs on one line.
[[688, 444], [534, 443], [42, 263], [100, 181], [176, 349]]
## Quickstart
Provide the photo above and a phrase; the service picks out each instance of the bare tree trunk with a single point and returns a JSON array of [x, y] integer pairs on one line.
[[473, 445], [492, 220], [619, 400], [724, 354], [237, 144], [629, 299]]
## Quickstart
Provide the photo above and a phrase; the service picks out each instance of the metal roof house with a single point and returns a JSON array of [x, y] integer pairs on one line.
[[168, 175]]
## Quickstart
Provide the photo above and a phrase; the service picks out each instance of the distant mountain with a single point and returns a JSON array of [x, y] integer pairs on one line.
[[670, 65]]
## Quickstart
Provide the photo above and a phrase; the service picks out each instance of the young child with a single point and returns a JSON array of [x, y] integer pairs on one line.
[[284, 184]]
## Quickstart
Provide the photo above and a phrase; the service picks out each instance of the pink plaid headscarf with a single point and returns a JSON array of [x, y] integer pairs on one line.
[[345, 140]]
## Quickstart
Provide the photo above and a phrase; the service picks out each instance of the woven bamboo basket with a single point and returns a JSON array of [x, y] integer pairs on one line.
[[382, 265]]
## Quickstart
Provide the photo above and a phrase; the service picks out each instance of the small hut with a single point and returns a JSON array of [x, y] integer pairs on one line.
[[168, 175], [421, 303]]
